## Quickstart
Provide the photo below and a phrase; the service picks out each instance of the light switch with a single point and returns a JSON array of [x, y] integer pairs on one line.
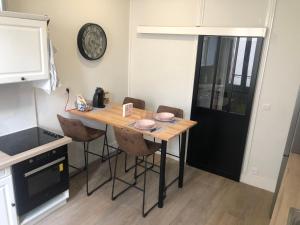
[[266, 107]]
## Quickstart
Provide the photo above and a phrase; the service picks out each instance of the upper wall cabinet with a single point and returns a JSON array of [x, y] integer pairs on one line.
[[23, 47]]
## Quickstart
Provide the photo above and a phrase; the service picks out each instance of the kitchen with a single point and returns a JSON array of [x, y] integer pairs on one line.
[[160, 69]]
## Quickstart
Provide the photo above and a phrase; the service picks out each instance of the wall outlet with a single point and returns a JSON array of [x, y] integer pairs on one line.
[[254, 171]]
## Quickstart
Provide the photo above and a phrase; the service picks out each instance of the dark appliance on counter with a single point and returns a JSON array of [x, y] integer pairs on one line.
[[98, 99], [292, 146], [38, 179]]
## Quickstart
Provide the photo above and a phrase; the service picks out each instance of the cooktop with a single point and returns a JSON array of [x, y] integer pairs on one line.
[[24, 140]]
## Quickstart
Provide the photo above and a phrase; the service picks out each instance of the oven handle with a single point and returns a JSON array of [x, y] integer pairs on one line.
[[44, 167]]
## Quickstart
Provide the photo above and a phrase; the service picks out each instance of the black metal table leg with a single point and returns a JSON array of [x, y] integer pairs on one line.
[[181, 160], [162, 174]]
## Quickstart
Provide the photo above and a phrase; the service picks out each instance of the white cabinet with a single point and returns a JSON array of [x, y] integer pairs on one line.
[[8, 215], [23, 48]]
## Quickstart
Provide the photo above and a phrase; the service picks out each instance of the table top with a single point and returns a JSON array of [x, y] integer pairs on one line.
[[112, 115]]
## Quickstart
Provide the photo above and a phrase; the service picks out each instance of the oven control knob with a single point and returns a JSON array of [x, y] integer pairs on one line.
[[13, 204], [54, 152], [30, 160]]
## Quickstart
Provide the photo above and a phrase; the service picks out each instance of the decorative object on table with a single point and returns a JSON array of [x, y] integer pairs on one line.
[[145, 124], [106, 98], [127, 109], [98, 99], [164, 116], [91, 41], [81, 104]]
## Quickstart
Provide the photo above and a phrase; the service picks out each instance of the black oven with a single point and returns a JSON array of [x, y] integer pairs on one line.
[[38, 179]]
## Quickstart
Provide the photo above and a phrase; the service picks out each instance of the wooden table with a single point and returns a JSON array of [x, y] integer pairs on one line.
[[112, 115]]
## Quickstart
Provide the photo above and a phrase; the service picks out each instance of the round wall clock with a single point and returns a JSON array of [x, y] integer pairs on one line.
[[91, 41]]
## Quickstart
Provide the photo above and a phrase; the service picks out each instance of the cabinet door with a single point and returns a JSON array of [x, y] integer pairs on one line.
[[24, 50], [7, 202]]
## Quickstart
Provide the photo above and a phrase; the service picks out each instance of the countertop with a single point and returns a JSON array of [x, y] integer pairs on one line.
[[7, 160], [289, 193]]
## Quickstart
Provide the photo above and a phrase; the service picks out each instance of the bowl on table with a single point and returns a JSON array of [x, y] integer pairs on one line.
[[144, 124], [164, 116]]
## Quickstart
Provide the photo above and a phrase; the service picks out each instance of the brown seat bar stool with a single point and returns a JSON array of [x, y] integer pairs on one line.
[[80, 133], [179, 114], [137, 103], [133, 143]]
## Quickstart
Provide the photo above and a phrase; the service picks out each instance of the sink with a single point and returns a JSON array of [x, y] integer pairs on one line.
[[294, 217]]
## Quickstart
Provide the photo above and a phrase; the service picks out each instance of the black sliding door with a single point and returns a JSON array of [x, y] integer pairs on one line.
[[224, 86]]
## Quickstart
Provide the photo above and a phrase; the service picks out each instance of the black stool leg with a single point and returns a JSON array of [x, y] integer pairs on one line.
[[144, 189], [105, 143], [86, 159], [85, 162], [87, 169], [114, 178], [126, 170]]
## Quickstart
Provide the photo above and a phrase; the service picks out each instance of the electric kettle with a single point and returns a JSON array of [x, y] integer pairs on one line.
[[98, 99]]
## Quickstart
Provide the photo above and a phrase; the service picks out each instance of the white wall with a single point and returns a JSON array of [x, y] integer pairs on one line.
[[161, 69], [17, 111], [75, 72], [279, 90]]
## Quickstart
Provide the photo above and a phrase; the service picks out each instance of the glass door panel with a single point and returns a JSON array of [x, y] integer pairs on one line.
[[207, 71], [226, 72]]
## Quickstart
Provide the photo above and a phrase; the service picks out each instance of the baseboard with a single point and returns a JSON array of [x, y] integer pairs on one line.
[[259, 181]]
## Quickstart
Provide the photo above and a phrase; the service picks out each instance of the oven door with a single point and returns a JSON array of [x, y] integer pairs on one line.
[[39, 179]]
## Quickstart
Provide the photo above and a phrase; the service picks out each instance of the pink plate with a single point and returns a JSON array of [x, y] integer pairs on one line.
[[164, 116], [144, 124]]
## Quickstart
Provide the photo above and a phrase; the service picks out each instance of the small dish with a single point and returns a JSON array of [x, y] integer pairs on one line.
[[164, 116], [144, 124]]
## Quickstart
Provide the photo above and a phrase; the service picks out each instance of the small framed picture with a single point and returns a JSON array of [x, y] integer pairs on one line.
[[127, 109]]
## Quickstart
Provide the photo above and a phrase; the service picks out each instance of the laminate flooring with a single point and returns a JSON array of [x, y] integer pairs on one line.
[[206, 199]]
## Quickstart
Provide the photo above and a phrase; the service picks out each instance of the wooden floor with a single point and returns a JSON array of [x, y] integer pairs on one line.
[[206, 199]]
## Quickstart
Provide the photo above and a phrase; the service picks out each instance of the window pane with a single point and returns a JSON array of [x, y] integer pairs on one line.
[[224, 68], [240, 56], [238, 103], [207, 71], [251, 61]]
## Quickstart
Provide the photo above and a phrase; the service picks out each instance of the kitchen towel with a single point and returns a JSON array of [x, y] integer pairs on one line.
[[52, 83]]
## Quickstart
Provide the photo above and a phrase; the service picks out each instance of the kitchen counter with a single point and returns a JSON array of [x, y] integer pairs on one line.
[[289, 193], [7, 161]]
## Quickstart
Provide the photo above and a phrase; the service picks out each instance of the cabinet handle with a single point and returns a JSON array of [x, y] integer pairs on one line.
[[13, 204], [23, 78]]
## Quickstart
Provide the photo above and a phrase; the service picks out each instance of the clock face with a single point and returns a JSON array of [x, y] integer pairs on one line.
[[91, 41]]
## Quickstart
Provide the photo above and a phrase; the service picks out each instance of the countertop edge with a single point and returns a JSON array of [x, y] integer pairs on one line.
[[7, 160], [289, 194]]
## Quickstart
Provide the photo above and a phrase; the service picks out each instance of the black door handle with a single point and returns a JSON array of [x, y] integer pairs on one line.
[[13, 204], [23, 78]]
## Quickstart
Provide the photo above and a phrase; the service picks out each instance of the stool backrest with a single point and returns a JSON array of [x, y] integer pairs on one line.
[[73, 128], [137, 103], [176, 111], [131, 142]]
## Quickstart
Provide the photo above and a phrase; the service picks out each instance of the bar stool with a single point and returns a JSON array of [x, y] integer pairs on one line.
[[177, 113], [80, 133], [133, 143], [139, 104]]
